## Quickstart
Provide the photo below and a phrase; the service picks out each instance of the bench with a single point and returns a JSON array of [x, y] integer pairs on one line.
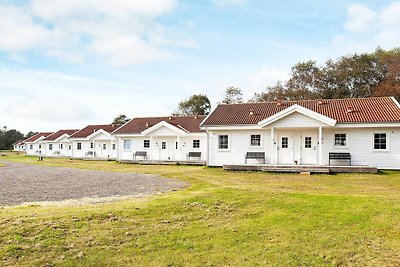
[[193, 155], [255, 155], [140, 154], [339, 156], [90, 153]]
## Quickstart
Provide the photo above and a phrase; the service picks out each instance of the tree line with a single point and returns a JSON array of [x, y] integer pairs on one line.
[[9, 137]]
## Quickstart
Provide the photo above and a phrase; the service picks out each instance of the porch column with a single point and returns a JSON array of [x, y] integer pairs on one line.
[[149, 157], [178, 150], [272, 146], [319, 145]]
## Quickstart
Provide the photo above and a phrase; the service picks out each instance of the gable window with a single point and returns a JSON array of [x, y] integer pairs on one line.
[[79, 146], [91, 145], [380, 141], [50, 146], [223, 142], [196, 143], [255, 140], [340, 140], [127, 144], [113, 146], [104, 146], [146, 143]]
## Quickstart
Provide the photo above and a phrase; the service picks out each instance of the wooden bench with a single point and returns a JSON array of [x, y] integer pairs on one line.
[[254, 155], [193, 155], [90, 153], [339, 156], [140, 154]]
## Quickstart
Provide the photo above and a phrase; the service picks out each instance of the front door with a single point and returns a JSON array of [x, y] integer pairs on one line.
[[308, 148], [285, 149], [166, 147]]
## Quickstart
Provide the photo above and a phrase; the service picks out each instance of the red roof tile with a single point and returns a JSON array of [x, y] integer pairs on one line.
[[17, 142], [56, 135], [138, 125], [88, 130], [37, 136], [364, 110]]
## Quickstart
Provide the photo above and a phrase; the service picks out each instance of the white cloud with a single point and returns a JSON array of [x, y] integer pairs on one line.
[[121, 32], [366, 29], [266, 76], [224, 3]]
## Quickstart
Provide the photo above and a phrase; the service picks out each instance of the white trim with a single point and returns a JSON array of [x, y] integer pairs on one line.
[[229, 143], [395, 101], [261, 140], [367, 125], [302, 110], [97, 133], [166, 125]]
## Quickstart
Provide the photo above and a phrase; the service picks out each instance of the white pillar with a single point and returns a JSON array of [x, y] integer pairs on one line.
[[178, 150], [272, 152], [320, 145]]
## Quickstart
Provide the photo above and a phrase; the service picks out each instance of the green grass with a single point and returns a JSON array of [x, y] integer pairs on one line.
[[223, 218]]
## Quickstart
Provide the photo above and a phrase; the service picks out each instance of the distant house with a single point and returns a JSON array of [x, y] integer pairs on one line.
[[171, 138], [95, 141], [364, 131], [58, 144], [34, 145], [19, 146]]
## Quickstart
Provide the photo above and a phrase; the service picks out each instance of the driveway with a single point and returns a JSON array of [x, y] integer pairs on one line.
[[20, 183]]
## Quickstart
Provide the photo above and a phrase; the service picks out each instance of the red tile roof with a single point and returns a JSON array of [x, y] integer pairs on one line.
[[88, 130], [56, 135], [364, 110], [37, 136], [18, 142], [138, 125]]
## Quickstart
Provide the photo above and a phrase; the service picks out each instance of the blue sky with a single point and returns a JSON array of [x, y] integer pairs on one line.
[[69, 63]]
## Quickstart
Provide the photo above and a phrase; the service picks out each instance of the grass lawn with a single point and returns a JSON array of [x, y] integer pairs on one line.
[[223, 218]]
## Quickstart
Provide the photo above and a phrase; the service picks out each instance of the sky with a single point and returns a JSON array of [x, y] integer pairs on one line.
[[69, 63]]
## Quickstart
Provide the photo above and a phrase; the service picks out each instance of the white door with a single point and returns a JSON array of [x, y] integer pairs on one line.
[[308, 149], [285, 149], [166, 147]]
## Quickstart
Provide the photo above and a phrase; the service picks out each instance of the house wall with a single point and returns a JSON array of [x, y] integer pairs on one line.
[[35, 149], [100, 153], [155, 152]]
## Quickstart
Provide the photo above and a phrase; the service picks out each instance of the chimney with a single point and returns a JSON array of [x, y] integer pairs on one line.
[[112, 125], [349, 109], [94, 130], [170, 117], [320, 102], [147, 124], [195, 117], [279, 102], [251, 112]]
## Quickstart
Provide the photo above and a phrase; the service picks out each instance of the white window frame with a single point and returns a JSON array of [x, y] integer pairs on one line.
[[79, 146], [127, 141], [104, 146], [261, 140], [347, 140], [387, 141], [218, 144], [114, 146], [50, 147], [197, 141], [144, 141]]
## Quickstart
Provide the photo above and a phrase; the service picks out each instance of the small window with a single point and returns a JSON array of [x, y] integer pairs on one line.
[[223, 142], [127, 144], [104, 146], [61, 146], [91, 145], [285, 142], [50, 146], [176, 145], [30, 147], [163, 145], [40, 146], [79, 146], [113, 146], [255, 140], [340, 140], [196, 143], [69, 147], [307, 142], [146, 143], [380, 142]]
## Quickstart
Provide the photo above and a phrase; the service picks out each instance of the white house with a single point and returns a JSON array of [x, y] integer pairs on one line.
[[173, 138], [58, 144], [34, 145], [306, 132], [19, 146], [95, 141]]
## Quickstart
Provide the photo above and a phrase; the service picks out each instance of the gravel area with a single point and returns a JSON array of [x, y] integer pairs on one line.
[[21, 183]]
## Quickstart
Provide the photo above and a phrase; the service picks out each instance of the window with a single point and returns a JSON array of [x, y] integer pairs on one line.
[[30, 147], [223, 142], [91, 145], [285, 142], [104, 146], [61, 146], [69, 147], [163, 145], [380, 141], [50, 146], [255, 140], [79, 146], [127, 144], [146, 143], [307, 142], [176, 145], [196, 143], [340, 140], [40, 146], [113, 146]]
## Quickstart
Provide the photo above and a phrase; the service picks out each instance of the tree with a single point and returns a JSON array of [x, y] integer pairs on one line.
[[7, 138], [233, 95], [30, 134], [390, 85], [194, 105], [272, 93], [120, 119]]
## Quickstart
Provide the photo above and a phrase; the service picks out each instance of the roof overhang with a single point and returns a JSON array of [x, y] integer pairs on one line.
[[177, 130], [302, 110]]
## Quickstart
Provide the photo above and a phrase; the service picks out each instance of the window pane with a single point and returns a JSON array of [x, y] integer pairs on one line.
[[340, 139], [146, 143], [223, 142], [163, 145], [380, 141], [307, 142], [196, 143], [255, 140], [285, 142], [127, 144]]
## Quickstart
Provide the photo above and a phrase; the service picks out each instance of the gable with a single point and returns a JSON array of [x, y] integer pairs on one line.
[[297, 119], [101, 135], [162, 131]]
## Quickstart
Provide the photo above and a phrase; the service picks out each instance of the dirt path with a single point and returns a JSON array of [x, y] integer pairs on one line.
[[20, 183]]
